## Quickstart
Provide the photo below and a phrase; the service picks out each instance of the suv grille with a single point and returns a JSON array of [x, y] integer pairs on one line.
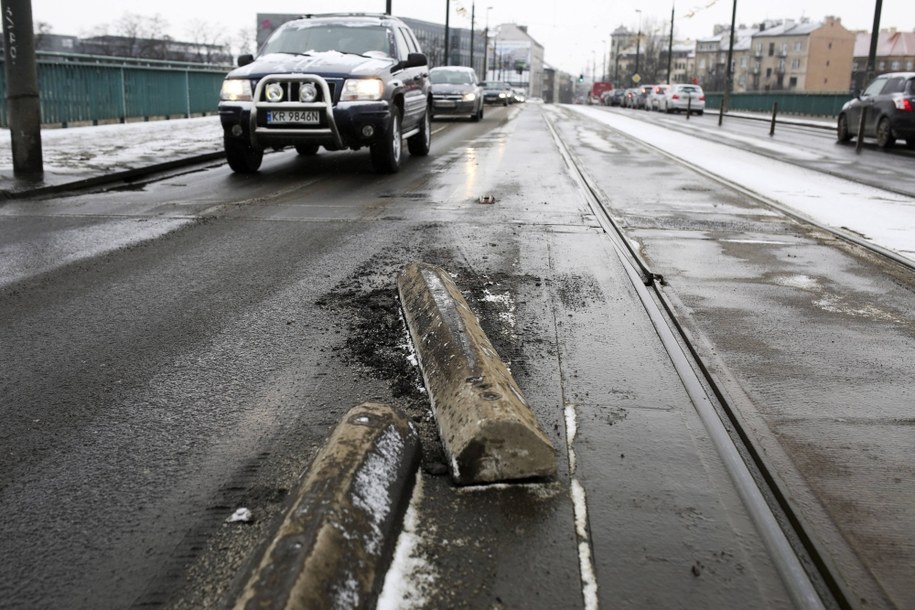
[[291, 92]]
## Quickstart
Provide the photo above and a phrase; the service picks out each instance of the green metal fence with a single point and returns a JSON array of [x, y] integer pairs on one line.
[[90, 89], [809, 104]]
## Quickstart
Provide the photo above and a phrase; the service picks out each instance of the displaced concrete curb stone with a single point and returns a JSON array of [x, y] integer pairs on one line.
[[336, 543], [488, 431]]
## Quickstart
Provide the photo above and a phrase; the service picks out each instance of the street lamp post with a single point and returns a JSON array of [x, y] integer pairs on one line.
[[486, 46], [473, 8], [447, 32], [604, 52], [670, 45], [728, 72], [638, 40]]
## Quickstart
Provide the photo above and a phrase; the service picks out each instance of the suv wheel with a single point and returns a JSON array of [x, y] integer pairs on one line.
[[885, 138], [421, 143], [242, 157], [386, 152], [307, 150], [842, 132]]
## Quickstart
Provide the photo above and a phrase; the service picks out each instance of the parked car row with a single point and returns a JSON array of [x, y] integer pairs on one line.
[[666, 98]]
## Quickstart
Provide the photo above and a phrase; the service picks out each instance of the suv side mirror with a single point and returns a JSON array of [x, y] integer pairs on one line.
[[244, 60], [414, 60]]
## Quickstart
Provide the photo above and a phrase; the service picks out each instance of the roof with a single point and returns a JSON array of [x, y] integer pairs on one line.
[[889, 44], [804, 28]]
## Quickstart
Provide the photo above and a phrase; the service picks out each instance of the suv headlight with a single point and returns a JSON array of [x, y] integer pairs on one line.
[[469, 97], [362, 89], [235, 90]]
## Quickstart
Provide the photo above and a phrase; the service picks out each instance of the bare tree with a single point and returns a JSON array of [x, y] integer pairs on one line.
[[210, 42], [42, 30], [245, 41]]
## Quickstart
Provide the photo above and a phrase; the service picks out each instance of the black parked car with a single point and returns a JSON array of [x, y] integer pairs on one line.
[[888, 104], [338, 81]]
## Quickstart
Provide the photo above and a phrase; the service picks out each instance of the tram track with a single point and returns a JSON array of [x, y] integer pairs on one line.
[[842, 233], [804, 568]]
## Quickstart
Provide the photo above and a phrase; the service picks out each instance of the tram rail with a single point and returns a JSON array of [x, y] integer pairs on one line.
[[802, 566]]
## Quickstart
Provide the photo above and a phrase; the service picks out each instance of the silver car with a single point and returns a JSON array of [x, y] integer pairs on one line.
[[456, 92], [655, 97], [678, 98]]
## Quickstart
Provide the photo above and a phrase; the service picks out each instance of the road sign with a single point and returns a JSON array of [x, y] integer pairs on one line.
[[636, 78]]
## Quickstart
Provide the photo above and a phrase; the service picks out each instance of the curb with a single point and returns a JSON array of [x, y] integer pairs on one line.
[[486, 426], [336, 542], [125, 175]]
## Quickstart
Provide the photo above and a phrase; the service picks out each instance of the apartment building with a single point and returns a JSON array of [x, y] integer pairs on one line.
[[805, 56], [895, 53]]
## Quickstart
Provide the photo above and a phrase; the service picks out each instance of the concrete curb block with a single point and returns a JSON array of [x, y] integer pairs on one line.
[[110, 178], [336, 543], [487, 428]]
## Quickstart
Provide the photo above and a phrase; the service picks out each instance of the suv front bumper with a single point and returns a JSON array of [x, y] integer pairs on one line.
[[339, 126]]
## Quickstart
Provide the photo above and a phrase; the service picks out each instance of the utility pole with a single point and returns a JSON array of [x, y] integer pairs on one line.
[[387, 10], [22, 102]]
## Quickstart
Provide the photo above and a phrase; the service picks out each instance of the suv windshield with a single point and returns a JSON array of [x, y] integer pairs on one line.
[[315, 38]]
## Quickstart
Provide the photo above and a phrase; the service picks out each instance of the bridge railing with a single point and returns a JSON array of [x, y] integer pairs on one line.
[[808, 104], [81, 89]]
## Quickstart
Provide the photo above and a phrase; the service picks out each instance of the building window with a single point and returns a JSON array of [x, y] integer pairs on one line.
[[881, 66], [771, 49], [799, 46], [768, 72], [792, 82], [795, 64], [854, 66], [895, 66], [909, 66]]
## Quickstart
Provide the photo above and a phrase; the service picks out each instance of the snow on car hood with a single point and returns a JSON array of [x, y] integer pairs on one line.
[[327, 63]]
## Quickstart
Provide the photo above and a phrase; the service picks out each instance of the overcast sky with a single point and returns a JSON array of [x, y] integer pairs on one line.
[[573, 32]]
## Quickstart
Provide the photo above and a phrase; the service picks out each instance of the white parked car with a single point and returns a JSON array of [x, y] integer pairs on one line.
[[678, 98], [654, 98]]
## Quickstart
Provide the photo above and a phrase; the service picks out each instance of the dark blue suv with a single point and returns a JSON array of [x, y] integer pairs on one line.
[[336, 80]]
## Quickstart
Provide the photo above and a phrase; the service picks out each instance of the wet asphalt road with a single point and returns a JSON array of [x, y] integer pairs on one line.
[[175, 352]]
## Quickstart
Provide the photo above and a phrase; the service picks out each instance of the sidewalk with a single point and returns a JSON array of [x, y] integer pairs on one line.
[[79, 153]]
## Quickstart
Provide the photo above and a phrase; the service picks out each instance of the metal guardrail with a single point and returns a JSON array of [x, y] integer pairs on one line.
[[90, 89], [807, 104]]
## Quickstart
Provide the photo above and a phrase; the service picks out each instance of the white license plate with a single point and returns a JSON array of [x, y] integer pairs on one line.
[[445, 104], [298, 117]]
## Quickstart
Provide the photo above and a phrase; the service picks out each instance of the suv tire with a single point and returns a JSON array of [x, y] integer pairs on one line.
[[242, 157], [307, 150], [388, 150], [842, 133], [885, 138], [420, 144]]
